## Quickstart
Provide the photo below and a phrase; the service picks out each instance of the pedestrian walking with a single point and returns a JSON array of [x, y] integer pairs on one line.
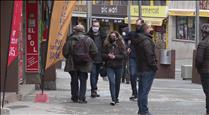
[[114, 54], [133, 58], [125, 71], [79, 50], [98, 35], [146, 65], [202, 62]]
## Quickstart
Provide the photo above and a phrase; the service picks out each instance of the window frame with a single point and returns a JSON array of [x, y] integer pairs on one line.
[[185, 28]]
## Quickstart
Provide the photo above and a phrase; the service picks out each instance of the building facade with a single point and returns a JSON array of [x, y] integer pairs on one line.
[[181, 31]]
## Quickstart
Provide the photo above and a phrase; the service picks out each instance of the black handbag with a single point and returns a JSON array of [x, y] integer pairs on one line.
[[103, 70]]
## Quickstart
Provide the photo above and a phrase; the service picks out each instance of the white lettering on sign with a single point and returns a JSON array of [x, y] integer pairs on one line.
[[31, 30], [13, 41], [111, 10], [31, 61], [12, 51]]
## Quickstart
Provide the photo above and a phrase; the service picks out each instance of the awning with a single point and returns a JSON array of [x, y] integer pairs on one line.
[[151, 21], [79, 15], [103, 17], [183, 12]]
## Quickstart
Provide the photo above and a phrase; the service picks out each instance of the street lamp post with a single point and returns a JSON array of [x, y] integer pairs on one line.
[[129, 15], [139, 7], [197, 23]]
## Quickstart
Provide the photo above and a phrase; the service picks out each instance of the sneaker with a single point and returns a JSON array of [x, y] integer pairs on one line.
[[112, 103], [133, 98], [82, 101]]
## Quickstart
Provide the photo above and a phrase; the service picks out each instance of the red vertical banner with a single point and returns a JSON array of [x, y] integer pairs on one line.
[[32, 60], [16, 26]]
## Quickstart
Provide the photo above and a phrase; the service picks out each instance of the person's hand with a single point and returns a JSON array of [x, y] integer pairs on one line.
[[111, 56], [129, 50]]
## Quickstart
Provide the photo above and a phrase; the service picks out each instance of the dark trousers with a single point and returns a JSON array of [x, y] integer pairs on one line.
[[78, 90], [205, 86], [94, 76], [114, 77], [145, 82], [133, 75]]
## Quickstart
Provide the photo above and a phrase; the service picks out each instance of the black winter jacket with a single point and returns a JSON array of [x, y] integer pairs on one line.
[[145, 52], [202, 56], [120, 55]]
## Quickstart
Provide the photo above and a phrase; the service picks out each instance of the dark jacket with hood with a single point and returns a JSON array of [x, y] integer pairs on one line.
[[145, 52], [202, 56], [99, 43]]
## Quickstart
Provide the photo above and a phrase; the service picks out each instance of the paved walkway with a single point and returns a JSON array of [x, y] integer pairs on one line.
[[167, 97]]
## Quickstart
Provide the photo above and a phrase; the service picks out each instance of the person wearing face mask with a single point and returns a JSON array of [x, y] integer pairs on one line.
[[98, 35], [132, 57], [125, 72], [114, 53]]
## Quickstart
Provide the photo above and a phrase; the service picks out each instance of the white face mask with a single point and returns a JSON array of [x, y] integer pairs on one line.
[[95, 29], [124, 33]]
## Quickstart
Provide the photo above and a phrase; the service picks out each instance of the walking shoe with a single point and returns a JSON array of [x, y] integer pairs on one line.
[[75, 100], [82, 101], [112, 103], [133, 98], [94, 94]]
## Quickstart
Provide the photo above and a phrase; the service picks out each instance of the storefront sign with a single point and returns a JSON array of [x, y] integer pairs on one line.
[[32, 60], [80, 8], [149, 11], [16, 26], [202, 13], [60, 20], [109, 10]]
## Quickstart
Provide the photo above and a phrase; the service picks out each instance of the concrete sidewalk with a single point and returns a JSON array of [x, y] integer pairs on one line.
[[167, 97]]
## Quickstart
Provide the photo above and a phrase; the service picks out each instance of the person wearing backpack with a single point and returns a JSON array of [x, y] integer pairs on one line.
[[79, 50], [114, 54], [98, 35], [202, 62]]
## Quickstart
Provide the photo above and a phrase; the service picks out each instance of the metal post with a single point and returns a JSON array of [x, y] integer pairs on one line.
[[197, 23], [139, 7], [89, 14], [129, 16]]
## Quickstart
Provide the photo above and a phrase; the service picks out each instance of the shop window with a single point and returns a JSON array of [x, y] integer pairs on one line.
[[145, 2], [159, 2], [204, 4], [185, 28]]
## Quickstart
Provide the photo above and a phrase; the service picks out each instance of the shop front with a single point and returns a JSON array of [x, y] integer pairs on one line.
[[154, 16], [182, 30], [111, 17]]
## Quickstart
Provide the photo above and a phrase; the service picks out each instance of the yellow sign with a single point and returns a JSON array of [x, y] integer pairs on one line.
[[203, 13], [181, 13], [149, 11], [59, 25]]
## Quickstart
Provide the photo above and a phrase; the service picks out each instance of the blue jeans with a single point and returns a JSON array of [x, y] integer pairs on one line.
[[144, 83], [114, 76], [205, 86], [133, 75], [78, 90], [94, 76]]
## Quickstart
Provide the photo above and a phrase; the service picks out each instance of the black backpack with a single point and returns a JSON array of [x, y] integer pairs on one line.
[[81, 51]]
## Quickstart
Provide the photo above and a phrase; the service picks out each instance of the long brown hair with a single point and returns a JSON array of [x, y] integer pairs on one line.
[[119, 41]]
